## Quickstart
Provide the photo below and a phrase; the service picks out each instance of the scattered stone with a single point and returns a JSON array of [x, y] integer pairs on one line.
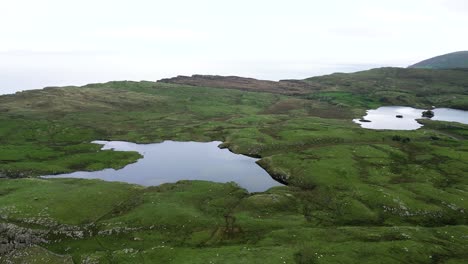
[[399, 116], [364, 120]]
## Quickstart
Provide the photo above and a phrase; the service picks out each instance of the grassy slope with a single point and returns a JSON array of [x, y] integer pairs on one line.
[[447, 61], [395, 86], [353, 192], [36, 255]]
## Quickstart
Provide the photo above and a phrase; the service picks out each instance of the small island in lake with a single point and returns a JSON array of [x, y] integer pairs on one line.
[[428, 114]]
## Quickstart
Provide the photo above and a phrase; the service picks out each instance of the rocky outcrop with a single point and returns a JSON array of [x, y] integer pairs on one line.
[[13, 237], [428, 114], [275, 173], [290, 87]]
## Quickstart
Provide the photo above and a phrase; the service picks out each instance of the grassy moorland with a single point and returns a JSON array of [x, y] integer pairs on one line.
[[397, 86], [353, 196]]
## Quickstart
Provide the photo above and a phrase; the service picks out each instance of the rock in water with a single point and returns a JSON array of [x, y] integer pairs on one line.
[[428, 114]]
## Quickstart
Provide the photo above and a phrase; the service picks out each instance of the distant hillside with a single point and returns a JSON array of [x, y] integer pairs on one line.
[[290, 87], [447, 61], [396, 86]]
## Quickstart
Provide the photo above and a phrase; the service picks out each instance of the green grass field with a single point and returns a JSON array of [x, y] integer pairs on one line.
[[353, 196]]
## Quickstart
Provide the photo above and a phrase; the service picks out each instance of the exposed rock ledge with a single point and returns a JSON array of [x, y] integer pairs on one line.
[[289, 87]]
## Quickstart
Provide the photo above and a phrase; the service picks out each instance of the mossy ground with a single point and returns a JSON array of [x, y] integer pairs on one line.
[[354, 195]]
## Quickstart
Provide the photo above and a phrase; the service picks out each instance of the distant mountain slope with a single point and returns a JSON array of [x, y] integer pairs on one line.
[[448, 61]]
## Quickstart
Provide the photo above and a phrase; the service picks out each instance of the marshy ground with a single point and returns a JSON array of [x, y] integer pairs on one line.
[[354, 195]]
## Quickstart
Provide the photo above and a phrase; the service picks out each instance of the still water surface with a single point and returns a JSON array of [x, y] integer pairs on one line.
[[172, 161], [385, 117]]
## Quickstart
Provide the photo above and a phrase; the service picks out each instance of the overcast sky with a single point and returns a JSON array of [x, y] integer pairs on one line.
[[57, 42]]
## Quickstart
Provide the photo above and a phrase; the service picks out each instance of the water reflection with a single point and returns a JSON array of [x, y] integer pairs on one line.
[[172, 161]]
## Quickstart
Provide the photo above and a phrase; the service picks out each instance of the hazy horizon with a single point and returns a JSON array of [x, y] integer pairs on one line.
[[57, 43], [14, 82]]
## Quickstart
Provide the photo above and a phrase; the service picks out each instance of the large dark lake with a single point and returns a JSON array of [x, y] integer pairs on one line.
[[385, 117], [172, 161]]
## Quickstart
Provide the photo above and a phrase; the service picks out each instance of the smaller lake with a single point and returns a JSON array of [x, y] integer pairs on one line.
[[172, 161], [385, 117]]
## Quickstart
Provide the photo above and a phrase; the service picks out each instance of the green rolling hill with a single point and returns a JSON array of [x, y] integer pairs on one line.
[[448, 61]]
